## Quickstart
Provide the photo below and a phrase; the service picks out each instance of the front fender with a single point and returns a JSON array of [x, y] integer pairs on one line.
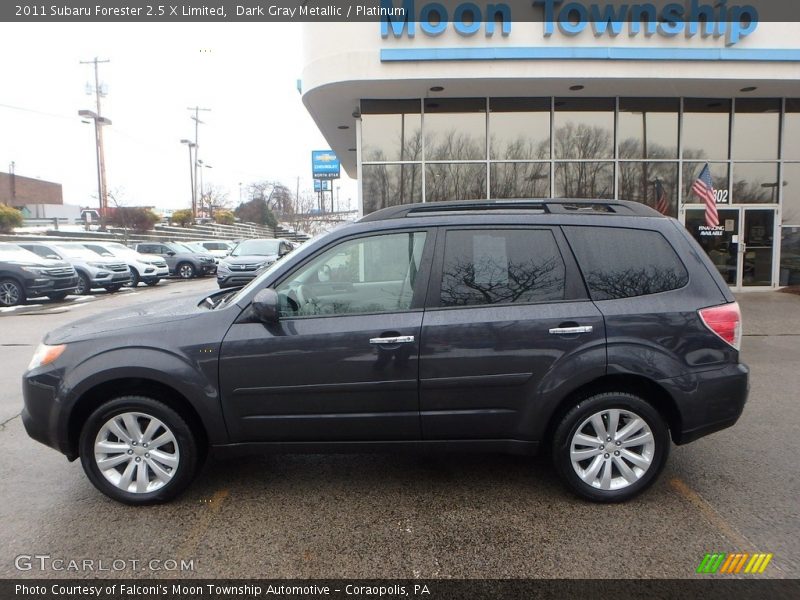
[[196, 381]]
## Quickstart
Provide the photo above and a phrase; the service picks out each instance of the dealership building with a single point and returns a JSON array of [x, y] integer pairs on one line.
[[513, 104]]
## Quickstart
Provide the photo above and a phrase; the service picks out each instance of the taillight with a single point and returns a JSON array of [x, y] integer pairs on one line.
[[724, 320]]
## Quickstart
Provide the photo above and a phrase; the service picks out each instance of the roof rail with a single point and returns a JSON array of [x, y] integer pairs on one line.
[[545, 205]]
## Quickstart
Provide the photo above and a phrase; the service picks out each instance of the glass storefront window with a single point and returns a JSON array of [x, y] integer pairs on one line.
[[791, 130], [584, 128], [519, 128], [643, 181], [648, 127], [706, 127], [755, 183], [584, 180], [790, 211], [455, 129], [391, 130], [390, 185], [755, 129], [520, 180], [455, 181], [789, 273], [719, 177]]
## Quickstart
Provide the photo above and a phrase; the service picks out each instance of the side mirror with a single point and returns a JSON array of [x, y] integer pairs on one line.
[[170, 253], [283, 251], [265, 305]]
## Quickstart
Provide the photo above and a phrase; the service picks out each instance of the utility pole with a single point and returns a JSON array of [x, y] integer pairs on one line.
[[13, 182], [98, 129], [197, 123]]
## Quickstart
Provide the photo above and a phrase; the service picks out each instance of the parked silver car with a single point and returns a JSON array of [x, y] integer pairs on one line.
[[94, 271]]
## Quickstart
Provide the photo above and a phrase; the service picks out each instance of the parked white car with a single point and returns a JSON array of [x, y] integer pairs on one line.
[[145, 268], [217, 248]]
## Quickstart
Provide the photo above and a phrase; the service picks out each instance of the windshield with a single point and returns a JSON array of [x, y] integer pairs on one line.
[[76, 251], [256, 248], [100, 250], [194, 247], [12, 252], [119, 248]]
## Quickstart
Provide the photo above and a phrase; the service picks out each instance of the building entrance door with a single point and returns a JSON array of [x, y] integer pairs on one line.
[[743, 248]]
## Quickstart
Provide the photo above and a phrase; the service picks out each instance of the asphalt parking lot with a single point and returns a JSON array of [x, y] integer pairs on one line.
[[400, 516]]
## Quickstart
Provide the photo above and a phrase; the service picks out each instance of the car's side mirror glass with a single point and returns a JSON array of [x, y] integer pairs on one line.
[[170, 253], [265, 305]]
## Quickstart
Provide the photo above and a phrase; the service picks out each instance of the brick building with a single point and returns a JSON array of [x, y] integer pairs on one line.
[[20, 191]]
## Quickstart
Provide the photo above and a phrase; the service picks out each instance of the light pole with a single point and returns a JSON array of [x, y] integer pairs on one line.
[[191, 145], [202, 166], [102, 192]]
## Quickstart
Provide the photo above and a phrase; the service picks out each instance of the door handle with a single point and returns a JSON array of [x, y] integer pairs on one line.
[[391, 341], [572, 330]]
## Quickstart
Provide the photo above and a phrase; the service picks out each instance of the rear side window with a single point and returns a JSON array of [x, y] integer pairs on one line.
[[501, 267], [623, 263]]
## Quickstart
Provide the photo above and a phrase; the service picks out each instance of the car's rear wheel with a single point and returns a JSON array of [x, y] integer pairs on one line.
[[11, 293], [111, 289], [610, 447], [138, 450], [57, 297], [185, 270], [83, 287]]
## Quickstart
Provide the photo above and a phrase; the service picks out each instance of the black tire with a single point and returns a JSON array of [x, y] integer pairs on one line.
[[629, 404], [185, 270], [134, 278], [58, 297], [84, 286], [112, 289], [12, 292], [189, 455], [153, 282]]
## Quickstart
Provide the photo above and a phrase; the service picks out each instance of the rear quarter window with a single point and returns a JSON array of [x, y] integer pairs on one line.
[[624, 263]]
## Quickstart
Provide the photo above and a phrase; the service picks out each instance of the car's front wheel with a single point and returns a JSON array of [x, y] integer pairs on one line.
[[610, 447], [11, 293], [83, 287], [138, 450], [185, 270]]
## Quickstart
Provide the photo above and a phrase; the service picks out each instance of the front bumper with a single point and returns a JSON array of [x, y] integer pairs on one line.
[[207, 269], [235, 279], [41, 286], [111, 278], [42, 415], [708, 401]]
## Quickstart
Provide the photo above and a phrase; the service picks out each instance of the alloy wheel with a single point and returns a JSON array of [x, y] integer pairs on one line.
[[612, 449], [9, 293], [136, 452], [186, 271]]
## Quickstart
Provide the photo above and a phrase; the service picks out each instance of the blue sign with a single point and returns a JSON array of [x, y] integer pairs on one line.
[[689, 18], [324, 164], [322, 186]]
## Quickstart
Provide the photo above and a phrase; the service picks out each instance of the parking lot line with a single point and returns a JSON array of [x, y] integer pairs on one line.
[[712, 516]]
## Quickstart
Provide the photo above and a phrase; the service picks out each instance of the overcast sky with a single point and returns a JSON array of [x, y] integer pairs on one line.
[[247, 74]]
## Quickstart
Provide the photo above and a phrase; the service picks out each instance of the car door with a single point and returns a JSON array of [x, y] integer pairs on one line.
[[342, 362], [506, 309]]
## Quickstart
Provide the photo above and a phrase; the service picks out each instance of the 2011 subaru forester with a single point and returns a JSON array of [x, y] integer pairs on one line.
[[597, 330]]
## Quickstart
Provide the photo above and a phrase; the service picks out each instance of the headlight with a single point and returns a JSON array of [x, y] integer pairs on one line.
[[45, 354], [97, 265], [34, 270]]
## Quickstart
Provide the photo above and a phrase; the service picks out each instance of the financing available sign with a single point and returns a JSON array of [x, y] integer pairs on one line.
[[325, 164]]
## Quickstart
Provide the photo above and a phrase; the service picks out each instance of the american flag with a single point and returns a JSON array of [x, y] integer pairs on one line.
[[704, 188], [662, 204]]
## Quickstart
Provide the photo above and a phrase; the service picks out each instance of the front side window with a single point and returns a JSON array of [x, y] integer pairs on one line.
[[501, 267], [365, 275], [623, 263]]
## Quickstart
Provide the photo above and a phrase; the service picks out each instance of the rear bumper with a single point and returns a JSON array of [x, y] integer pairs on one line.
[[708, 401]]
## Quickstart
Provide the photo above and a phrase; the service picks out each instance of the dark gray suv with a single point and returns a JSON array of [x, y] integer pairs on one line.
[[598, 331]]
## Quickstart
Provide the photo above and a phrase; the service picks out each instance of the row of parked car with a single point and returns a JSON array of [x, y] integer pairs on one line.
[[57, 269]]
